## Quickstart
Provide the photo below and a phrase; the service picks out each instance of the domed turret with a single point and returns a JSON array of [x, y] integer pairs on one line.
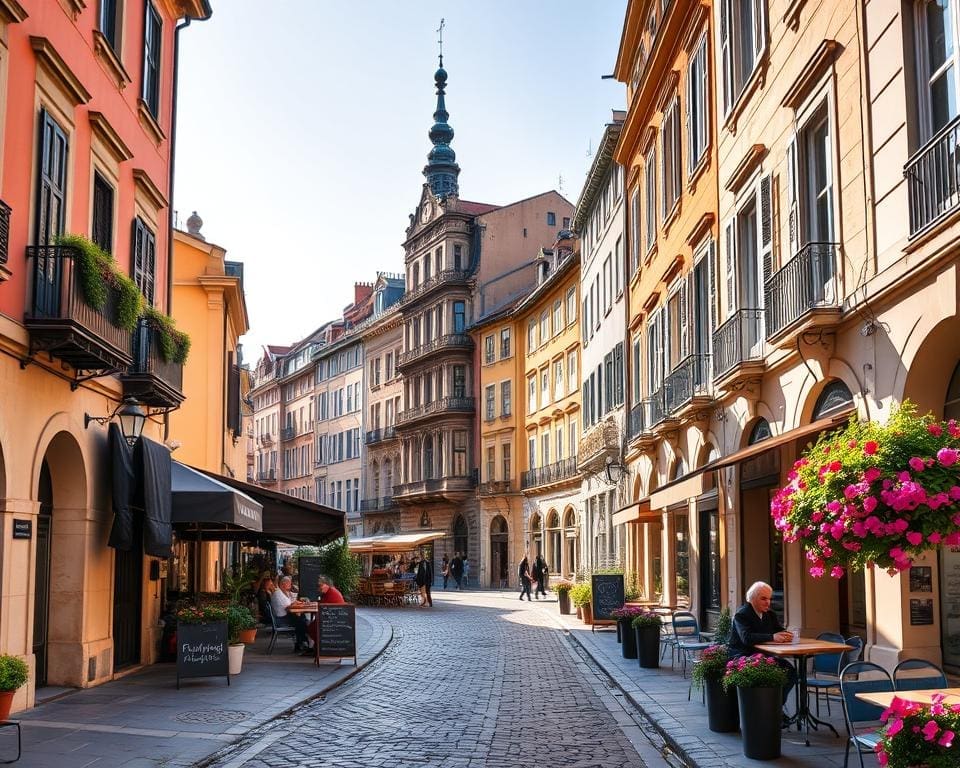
[[441, 170]]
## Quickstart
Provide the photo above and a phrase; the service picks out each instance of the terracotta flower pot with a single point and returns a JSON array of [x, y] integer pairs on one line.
[[587, 611], [248, 636], [6, 701]]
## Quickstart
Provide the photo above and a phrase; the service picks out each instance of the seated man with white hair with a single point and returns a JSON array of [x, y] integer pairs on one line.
[[280, 600], [754, 624]]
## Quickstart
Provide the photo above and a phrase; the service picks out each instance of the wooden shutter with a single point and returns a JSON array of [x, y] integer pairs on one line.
[[683, 343], [233, 395], [689, 121], [144, 259], [51, 191], [793, 203], [711, 282], [705, 110], [765, 223], [760, 27], [618, 373], [725, 54], [730, 244]]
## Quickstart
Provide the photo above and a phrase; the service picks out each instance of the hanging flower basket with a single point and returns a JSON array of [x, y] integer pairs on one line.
[[874, 494]]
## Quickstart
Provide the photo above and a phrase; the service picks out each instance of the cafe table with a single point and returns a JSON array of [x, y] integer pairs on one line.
[[800, 651], [924, 696]]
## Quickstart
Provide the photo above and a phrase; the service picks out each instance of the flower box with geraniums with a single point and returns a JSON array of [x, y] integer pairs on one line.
[[759, 682], [646, 628], [14, 673], [874, 494], [562, 587], [707, 673], [916, 734], [628, 638]]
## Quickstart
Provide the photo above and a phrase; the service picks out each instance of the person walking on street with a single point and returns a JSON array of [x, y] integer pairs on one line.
[[424, 580], [445, 569], [466, 572], [524, 573], [456, 568], [540, 576]]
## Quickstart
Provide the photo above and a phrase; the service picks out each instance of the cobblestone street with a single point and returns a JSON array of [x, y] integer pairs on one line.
[[480, 680]]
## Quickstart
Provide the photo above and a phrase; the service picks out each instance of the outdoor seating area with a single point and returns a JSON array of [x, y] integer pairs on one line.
[[386, 593]]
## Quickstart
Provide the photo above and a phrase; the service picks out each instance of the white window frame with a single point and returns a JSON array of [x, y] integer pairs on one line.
[[670, 177], [738, 66], [650, 192], [698, 114], [924, 76]]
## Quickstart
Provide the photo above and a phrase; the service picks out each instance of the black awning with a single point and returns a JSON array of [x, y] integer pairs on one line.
[[206, 505], [285, 518]]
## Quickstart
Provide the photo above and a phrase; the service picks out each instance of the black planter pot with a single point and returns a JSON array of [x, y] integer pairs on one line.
[[723, 712], [620, 626], [628, 646], [760, 710], [564, 599], [648, 646]]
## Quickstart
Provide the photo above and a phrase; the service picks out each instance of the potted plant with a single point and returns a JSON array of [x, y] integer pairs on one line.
[[759, 681], [917, 734], [646, 628], [721, 632], [239, 619], [562, 588], [722, 712], [582, 594], [13, 675], [874, 494], [628, 639]]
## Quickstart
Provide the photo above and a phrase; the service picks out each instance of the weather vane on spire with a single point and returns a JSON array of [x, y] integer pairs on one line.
[[440, 32]]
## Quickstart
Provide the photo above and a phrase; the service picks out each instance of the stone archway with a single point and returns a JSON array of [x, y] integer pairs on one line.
[[571, 542], [554, 542], [499, 557]]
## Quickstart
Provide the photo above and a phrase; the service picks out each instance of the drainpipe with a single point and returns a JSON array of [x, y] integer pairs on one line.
[[173, 146]]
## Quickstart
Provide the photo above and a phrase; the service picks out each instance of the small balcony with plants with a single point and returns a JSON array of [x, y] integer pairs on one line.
[[599, 442], [803, 295], [155, 377]]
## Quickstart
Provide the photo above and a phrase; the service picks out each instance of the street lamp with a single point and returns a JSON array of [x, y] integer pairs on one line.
[[614, 471], [132, 419]]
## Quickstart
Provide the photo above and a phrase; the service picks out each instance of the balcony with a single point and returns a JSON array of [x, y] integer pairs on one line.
[[266, 439], [447, 277], [600, 441], [153, 380], [802, 294], [495, 488], [267, 476], [738, 348], [552, 474], [380, 504], [933, 178], [319, 468], [688, 386], [640, 425], [437, 408], [461, 341], [380, 435], [62, 323], [287, 433], [450, 488], [4, 239]]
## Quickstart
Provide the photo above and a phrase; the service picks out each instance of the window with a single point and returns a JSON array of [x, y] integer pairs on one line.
[[532, 452], [389, 366], [557, 317], [743, 34], [144, 259], [607, 282], [504, 343], [596, 303], [544, 327], [637, 397], [532, 394], [748, 242], [618, 267], [151, 60], [101, 229], [457, 257], [109, 22], [427, 272], [531, 336], [459, 381], [811, 160], [677, 322], [488, 349], [545, 449], [698, 116], [459, 316], [656, 360], [936, 35], [551, 219], [558, 388], [459, 452], [559, 438], [573, 380], [490, 402], [491, 463], [618, 374], [566, 222], [376, 372], [650, 190], [544, 386], [607, 383], [505, 459], [670, 158], [505, 398], [573, 435], [571, 305], [52, 159]]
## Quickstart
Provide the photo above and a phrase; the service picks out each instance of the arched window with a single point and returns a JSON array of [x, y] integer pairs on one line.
[[834, 398], [760, 432], [679, 468], [951, 403]]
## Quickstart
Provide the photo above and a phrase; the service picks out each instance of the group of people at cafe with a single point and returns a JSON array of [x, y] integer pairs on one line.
[[281, 594]]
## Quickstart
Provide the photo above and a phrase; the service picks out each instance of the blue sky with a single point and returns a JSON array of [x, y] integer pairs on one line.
[[303, 130]]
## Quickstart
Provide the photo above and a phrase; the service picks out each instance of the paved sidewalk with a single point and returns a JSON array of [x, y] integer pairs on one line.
[[143, 721], [661, 694]]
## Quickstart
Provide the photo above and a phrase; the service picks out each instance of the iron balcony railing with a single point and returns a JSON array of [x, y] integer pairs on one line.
[[435, 485], [690, 379], [4, 232], [441, 278], [738, 340], [148, 357], [443, 405], [377, 504], [564, 469], [451, 340], [933, 178], [288, 433], [266, 439], [267, 476], [639, 420], [657, 407], [806, 282], [379, 435]]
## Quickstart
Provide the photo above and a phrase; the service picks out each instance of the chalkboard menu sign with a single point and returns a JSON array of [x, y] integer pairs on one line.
[[309, 570], [337, 636], [607, 595], [202, 650]]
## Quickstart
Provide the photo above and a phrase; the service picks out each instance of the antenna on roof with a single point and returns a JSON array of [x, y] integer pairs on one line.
[[560, 183], [440, 32], [590, 148]]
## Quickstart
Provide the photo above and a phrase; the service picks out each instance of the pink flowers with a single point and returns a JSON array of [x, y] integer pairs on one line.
[[870, 447], [916, 734], [916, 464], [947, 457]]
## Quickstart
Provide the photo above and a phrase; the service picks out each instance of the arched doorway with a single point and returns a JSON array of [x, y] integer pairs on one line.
[[41, 590], [460, 537], [554, 554], [499, 565], [536, 535], [571, 538]]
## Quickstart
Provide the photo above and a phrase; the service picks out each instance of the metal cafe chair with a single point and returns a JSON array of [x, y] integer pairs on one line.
[[918, 675], [276, 629], [687, 640], [862, 677], [826, 670]]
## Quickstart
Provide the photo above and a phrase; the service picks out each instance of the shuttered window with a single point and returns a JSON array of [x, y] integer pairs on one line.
[[109, 22], [144, 259], [650, 190], [101, 229], [52, 189], [743, 39], [698, 116], [152, 29]]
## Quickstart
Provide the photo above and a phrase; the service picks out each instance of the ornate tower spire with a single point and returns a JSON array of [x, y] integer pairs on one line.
[[441, 169]]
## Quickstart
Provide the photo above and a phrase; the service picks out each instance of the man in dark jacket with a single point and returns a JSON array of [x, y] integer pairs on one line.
[[424, 580], [523, 573], [540, 576], [754, 624], [456, 569]]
